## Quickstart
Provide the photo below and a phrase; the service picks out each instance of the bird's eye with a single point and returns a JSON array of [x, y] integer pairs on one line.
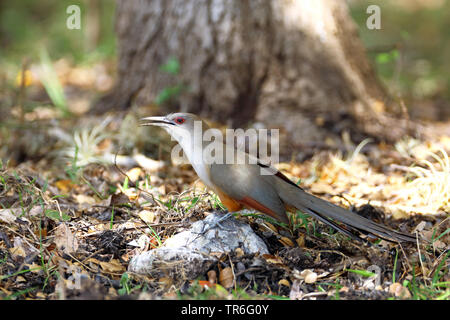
[[179, 120]]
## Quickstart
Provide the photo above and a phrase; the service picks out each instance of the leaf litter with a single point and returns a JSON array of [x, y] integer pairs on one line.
[[80, 197]]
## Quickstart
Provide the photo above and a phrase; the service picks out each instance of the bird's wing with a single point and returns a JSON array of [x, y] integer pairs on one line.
[[245, 184]]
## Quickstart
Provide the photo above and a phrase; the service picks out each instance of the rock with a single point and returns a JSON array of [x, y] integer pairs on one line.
[[230, 235], [191, 253], [171, 262]]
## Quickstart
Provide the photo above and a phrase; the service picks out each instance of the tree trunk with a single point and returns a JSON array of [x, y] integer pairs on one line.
[[295, 64]]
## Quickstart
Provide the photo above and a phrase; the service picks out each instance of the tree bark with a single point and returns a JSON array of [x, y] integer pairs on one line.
[[295, 64]]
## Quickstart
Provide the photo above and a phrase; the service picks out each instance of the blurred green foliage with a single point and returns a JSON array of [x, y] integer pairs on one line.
[[27, 25], [411, 50], [171, 67], [51, 83]]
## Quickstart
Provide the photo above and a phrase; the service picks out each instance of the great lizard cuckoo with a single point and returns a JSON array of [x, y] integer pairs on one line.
[[242, 184]]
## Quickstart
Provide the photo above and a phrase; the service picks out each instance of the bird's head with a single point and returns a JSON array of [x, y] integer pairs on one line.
[[178, 125]]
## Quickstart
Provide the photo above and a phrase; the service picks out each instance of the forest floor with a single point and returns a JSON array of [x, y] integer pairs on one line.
[[81, 195]]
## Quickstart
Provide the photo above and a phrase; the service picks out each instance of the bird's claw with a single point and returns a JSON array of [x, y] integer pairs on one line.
[[217, 224]]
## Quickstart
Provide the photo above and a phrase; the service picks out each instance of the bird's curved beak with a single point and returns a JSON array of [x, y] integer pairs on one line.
[[156, 121]]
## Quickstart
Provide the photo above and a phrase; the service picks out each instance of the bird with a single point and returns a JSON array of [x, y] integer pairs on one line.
[[254, 184]]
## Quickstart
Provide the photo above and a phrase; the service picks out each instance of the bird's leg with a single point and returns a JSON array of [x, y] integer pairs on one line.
[[223, 218], [217, 224]]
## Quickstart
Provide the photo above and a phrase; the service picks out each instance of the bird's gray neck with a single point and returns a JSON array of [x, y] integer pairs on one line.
[[193, 147]]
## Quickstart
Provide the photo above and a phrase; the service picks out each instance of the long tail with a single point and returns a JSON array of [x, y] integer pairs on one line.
[[330, 214]]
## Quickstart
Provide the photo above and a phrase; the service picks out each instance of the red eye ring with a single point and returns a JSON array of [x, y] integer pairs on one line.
[[179, 120]]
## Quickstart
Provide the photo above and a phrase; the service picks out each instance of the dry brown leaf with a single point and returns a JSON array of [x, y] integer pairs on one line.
[[344, 289], [113, 266], [322, 187], [378, 106], [142, 242], [399, 291], [119, 199], [147, 216], [41, 295], [284, 282], [9, 215], [36, 210], [64, 185], [7, 292], [439, 244], [301, 241], [162, 189], [166, 281], [65, 240], [105, 202], [218, 255], [271, 227], [93, 260], [81, 198], [133, 174], [297, 171], [17, 251], [212, 276], [286, 242], [272, 259], [239, 252], [34, 267], [420, 226], [226, 278], [126, 256]]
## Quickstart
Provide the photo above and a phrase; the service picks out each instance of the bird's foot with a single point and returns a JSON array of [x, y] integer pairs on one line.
[[217, 224]]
